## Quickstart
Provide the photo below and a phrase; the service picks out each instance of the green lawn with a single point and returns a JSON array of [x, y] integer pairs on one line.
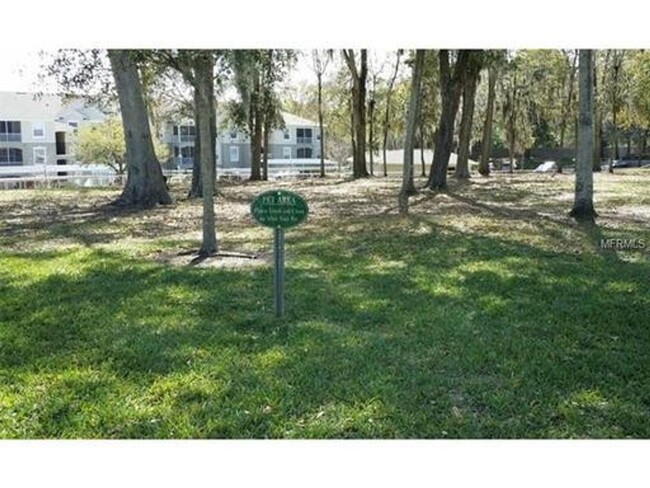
[[485, 314]]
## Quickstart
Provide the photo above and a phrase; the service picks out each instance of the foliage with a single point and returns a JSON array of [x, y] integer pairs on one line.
[[103, 143], [256, 74]]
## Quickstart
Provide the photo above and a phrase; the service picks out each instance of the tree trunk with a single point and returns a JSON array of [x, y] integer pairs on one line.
[[512, 126], [469, 96], [583, 207], [359, 169], [371, 135], [422, 161], [408, 186], [353, 139], [204, 86], [389, 94], [597, 122], [422, 133], [265, 157], [486, 143], [320, 125], [450, 88], [256, 130], [567, 108], [145, 185], [196, 187]]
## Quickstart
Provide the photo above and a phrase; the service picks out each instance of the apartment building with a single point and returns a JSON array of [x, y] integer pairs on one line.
[[37, 129], [300, 139]]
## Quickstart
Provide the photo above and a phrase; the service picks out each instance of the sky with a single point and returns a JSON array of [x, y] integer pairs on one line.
[[19, 69], [343, 24]]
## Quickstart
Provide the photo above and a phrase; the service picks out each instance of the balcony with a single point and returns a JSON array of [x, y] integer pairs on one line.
[[11, 137], [304, 140], [184, 162]]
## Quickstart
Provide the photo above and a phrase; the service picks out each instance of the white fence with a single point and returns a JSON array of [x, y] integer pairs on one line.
[[40, 175], [278, 169]]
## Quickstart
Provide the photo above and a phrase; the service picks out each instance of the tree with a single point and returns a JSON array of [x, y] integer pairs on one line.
[[451, 82], [389, 95], [359, 75], [571, 68], [198, 69], [486, 140], [104, 144], [321, 59], [408, 187], [274, 65], [475, 63], [256, 73], [583, 206], [429, 104], [145, 185]]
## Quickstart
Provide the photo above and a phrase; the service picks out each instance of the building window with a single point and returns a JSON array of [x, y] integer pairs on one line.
[[40, 155], [73, 124], [175, 130], [187, 132], [10, 131], [38, 130], [304, 153], [234, 154], [233, 134], [286, 135], [10, 155], [303, 136], [286, 152], [187, 152]]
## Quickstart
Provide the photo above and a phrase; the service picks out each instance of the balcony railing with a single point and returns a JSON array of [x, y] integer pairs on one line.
[[11, 137], [304, 140], [184, 162]]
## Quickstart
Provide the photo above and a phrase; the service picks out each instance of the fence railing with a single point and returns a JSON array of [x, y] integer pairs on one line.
[[39, 175], [32, 176]]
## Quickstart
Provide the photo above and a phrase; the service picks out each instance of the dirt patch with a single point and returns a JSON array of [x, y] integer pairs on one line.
[[222, 260]]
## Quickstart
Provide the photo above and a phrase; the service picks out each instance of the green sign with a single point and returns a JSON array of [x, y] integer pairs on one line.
[[279, 209]]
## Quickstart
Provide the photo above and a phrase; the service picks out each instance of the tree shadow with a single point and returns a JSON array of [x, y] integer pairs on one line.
[[440, 334]]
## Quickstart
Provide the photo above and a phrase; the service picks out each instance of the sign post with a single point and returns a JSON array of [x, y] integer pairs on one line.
[[279, 209], [278, 270]]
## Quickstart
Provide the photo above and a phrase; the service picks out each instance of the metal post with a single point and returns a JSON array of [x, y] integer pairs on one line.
[[278, 271]]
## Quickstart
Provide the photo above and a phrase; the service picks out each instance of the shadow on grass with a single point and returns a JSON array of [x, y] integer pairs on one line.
[[436, 334]]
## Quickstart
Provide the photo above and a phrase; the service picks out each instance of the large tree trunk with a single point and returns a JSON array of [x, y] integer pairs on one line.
[[389, 94], [486, 143], [408, 186], [469, 97], [145, 185], [320, 125], [204, 85], [583, 207], [450, 88]]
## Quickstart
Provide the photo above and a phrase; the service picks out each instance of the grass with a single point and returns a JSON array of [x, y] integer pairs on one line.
[[485, 314]]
